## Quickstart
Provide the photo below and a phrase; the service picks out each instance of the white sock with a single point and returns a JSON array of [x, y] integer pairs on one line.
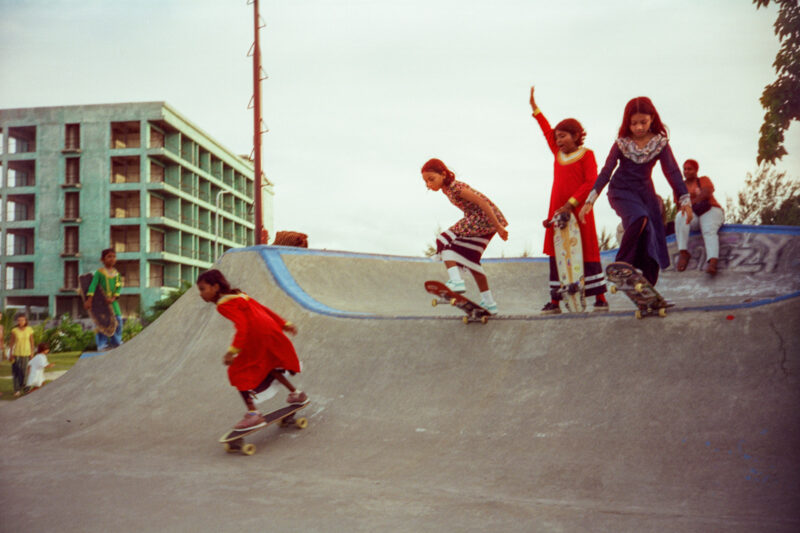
[[488, 299], [454, 273]]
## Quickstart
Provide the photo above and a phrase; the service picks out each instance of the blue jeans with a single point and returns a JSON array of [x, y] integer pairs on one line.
[[104, 342]]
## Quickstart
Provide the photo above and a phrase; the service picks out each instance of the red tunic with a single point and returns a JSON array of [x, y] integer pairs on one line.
[[260, 340], [573, 177]]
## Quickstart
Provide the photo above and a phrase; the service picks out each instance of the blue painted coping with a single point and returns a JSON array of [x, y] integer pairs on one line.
[[87, 355], [272, 256]]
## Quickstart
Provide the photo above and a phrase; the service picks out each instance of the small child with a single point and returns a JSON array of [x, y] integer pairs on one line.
[[260, 352], [109, 280], [574, 173], [37, 366], [21, 348], [462, 245], [642, 141]]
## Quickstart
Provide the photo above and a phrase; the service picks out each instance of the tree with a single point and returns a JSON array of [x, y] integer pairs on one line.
[[781, 99], [768, 198], [164, 303]]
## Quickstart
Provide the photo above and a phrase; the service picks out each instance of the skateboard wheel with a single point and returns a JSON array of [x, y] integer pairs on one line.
[[638, 314], [484, 319], [465, 320], [662, 312], [301, 423], [249, 449], [229, 448], [435, 302], [638, 287], [453, 301], [287, 421], [613, 289]]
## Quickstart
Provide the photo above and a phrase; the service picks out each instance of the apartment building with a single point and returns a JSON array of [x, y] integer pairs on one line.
[[136, 177]]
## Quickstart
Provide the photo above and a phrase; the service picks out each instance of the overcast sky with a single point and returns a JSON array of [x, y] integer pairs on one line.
[[362, 92]]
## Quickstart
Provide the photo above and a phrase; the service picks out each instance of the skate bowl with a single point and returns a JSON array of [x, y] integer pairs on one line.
[[590, 422]]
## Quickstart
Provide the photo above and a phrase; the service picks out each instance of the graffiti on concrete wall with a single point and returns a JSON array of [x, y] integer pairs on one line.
[[747, 252]]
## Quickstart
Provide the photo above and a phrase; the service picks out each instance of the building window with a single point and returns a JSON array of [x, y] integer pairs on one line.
[[125, 204], [71, 240], [156, 241], [156, 138], [20, 207], [72, 206], [125, 238], [156, 173], [70, 274], [125, 135], [124, 170], [129, 272], [156, 275], [156, 206], [72, 174], [72, 137], [22, 139], [22, 173]]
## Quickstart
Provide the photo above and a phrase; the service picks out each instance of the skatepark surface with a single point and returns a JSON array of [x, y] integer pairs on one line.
[[590, 422]]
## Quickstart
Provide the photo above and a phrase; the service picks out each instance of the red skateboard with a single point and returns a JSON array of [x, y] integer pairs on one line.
[[475, 313]]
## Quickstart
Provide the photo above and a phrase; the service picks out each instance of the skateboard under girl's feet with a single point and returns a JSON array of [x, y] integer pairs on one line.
[[233, 441], [475, 313], [630, 280]]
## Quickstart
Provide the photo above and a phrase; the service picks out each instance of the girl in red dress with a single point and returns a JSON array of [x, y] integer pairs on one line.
[[260, 352], [574, 173]]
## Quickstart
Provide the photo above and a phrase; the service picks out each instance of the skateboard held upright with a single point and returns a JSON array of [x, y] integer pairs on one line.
[[569, 261], [101, 312], [628, 279], [475, 313]]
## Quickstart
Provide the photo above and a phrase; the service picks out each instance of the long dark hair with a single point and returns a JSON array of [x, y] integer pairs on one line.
[[574, 128], [215, 277], [436, 165], [644, 105]]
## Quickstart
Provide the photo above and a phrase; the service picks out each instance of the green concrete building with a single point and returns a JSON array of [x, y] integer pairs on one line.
[[136, 177]]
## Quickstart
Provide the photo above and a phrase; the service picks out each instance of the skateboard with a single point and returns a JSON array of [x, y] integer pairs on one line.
[[475, 313], [101, 313], [569, 261], [629, 280], [233, 441]]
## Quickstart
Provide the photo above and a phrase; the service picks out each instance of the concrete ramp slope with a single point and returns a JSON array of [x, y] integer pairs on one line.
[[687, 423]]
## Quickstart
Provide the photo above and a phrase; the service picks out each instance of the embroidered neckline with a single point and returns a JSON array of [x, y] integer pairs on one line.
[[229, 297], [566, 159], [642, 155]]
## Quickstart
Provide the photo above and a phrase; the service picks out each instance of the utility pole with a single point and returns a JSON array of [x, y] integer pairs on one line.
[[257, 130]]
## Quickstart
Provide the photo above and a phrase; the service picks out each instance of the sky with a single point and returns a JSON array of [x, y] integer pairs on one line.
[[360, 93]]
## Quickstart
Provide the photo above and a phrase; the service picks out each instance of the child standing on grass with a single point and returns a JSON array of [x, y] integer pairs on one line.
[[462, 245], [574, 173], [260, 352], [37, 366], [109, 279], [642, 141], [21, 348]]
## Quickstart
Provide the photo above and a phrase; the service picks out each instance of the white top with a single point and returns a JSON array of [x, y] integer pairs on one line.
[[36, 367]]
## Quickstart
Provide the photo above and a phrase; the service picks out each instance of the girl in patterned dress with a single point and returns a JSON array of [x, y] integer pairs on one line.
[[574, 173], [642, 141], [260, 352], [463, 244]]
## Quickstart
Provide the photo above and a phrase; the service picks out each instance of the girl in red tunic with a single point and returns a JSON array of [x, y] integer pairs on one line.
[[260, 352], [574, 174]]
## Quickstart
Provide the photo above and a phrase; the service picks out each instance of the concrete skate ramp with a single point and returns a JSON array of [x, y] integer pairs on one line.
[[418, 423]]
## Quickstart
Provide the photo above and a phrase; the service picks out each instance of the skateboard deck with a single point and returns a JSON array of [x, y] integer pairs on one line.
[[628, 279], [569, 261], [233, 441], [475, 313], [101, 313]]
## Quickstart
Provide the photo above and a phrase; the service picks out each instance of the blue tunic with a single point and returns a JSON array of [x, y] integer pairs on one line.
[[632, 194]]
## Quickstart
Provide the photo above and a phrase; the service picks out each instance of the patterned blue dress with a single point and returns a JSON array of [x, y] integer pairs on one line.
[[631, 192]]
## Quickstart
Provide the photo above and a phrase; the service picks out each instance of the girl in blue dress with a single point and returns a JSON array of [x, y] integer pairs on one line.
[[642, 141]]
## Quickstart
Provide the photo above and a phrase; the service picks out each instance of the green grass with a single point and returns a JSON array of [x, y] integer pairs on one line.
[[62, 361]]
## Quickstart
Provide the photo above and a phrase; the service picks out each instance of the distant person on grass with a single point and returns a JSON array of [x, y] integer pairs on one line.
[[37, 366], [708, 218], [109, 279], [21, 347], [260, 352]]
